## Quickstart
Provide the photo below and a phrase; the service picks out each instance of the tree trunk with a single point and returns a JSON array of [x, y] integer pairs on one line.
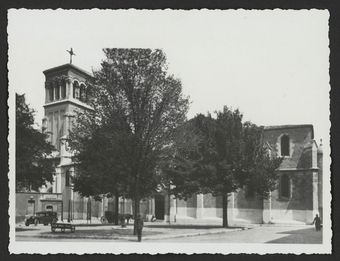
[[225, 210], [116, 211], [135, 214]]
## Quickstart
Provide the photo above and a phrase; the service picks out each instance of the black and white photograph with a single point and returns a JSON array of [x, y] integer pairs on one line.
[[169, 131]]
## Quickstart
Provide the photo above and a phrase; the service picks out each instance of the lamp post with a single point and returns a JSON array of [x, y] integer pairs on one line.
[[69, 183]]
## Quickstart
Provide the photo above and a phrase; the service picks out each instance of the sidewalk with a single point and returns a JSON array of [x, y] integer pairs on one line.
[[151, 231]]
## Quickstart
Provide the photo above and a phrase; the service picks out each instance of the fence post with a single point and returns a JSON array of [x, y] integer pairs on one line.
[[88, 209], [62, 210], [69, 211]]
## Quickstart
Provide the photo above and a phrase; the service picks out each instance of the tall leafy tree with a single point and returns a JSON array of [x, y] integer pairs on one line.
[[99, 170], [140, 105], [260, 161], [228, 155], [34, 167]]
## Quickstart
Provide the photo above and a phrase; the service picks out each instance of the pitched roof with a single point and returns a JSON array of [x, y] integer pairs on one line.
[[68, 66]]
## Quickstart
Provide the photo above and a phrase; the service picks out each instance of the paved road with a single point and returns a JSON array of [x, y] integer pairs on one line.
[[35, 239], [263, 234]]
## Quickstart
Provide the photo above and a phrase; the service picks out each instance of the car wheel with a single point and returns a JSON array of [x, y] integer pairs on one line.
[[104, 220], [27, 223]]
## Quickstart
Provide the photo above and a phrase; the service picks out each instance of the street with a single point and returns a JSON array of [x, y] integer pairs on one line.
[[257, 234], [263, 234]]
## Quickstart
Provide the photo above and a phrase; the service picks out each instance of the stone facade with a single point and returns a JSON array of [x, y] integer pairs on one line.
[[65, 93], [303, 170], [65, 88], [298, 196], [27, 203]]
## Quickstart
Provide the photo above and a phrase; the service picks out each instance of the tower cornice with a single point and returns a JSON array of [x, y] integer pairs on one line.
[[66, 67], [72, 101]]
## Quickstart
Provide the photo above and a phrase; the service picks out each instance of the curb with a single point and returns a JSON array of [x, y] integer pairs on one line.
[[284, 225], [128, 238], [192, 234]]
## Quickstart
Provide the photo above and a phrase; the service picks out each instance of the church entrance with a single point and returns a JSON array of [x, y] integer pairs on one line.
[[159, 207]]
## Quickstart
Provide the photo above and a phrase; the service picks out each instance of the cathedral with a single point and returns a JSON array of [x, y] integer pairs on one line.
[[297, 199]]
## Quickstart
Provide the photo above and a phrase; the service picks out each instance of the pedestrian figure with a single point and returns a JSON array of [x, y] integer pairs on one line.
[[139, 227], [317, 222], [122, 221]]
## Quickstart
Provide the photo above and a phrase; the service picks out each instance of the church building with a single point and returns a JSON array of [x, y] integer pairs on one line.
[[297, 199], [298, 196]]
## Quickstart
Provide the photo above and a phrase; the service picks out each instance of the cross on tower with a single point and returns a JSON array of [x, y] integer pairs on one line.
[[71, 54]]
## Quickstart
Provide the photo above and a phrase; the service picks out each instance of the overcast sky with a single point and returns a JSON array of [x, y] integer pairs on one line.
[[272, 65]]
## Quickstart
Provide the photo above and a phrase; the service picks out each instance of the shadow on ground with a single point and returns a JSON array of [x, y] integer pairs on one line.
[[21, 229], [105, 233], [177, 226], [301, 236], [99, 225]]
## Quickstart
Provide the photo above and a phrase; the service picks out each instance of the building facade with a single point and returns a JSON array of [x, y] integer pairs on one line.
[[298, 196], [297, 199], [65, 93]]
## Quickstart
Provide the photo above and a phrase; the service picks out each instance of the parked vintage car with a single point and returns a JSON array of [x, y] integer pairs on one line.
[[43, 217]]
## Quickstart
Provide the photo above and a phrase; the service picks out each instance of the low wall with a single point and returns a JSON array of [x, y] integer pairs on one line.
[[28, 203]]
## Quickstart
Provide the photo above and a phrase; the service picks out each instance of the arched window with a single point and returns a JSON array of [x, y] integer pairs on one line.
[[285, 186], [51, 93], [76, 90], [63, 89], [285, 145], [57, 92], [82, 93], [67, 178]]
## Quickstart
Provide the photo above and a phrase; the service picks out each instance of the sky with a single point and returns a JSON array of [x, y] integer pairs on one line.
[[272, 65]]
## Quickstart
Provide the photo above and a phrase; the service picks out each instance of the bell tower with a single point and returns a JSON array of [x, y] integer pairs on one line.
[[65, 93]]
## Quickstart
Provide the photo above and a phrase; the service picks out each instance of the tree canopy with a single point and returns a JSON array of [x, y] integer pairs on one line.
[[34, 167], [137, 107], [228, 155]]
